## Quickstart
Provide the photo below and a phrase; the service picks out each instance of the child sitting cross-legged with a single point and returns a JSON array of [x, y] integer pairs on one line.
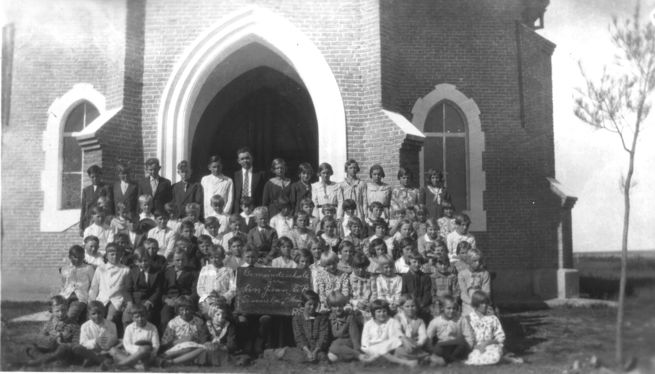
[[97, 336], [311, 333], [140, 341], [382, 335], [185, 336], [413, 327], [445, 338], [345, 330], [56, 336]]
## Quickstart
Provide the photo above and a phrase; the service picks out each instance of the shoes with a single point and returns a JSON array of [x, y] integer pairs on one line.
[[332, 357]]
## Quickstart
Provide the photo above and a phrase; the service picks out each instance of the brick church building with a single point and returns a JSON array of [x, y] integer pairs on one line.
[[462, 86]]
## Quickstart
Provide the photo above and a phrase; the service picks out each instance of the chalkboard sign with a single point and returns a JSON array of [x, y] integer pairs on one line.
[[270, 290]]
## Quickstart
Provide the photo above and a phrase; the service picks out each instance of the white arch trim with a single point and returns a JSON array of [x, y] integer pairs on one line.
[[471, 112], [53, 218], [252, 24]]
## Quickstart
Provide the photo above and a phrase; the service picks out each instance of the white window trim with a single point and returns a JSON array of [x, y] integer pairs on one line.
[[476, 175], [53, 218]]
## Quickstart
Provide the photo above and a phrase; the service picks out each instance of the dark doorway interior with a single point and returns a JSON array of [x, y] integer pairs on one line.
[[264, 110]]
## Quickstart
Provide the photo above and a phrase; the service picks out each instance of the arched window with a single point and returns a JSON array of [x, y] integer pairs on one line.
[[71, 177], [445, 149], [454, 143]]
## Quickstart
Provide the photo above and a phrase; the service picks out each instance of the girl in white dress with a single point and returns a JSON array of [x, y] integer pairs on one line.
[[382, 335], [216, 183]]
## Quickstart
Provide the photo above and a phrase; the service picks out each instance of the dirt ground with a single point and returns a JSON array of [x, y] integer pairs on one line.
[[548, 340]]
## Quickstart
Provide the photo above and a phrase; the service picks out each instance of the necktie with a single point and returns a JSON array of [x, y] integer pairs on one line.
[[246, 184], [153, 185], [145, 275], [186, 185], [123, 187]]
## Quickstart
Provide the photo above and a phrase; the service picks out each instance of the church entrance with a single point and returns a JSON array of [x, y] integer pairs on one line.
[[264, 110]]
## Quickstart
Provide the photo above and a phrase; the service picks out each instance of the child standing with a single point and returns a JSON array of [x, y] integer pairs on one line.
[[284, 260], [329, 233], [98, 228], [378, 191], [76, 278], [302, 189], [388, 285], [301, 235], [155, 185], [418, 285], [216, 183], [330, 279], [445, 333], [186, 191], [434, 194], [362, 285], [324, 191], [282, 222], [275, 188], [215, 277], [56, 336], [483, 332], [472, 278], [345, 331], [404, 196], [447, 222], [185, 335], [164, 236], [461, 234], [352, 188], [110, 283], [382, 335]]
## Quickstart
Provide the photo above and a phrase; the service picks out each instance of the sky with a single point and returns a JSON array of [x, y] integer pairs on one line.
[[590, 162]]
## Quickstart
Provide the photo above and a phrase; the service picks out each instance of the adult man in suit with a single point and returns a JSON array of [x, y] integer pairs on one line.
[[155, 185], [90, 195], [247, 182], [125, 191], [185, 191]]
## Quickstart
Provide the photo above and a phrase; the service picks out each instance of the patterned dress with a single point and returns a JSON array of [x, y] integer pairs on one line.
[[479, 329], [327, 282], [355, 190], [184, 334], [403, 197]]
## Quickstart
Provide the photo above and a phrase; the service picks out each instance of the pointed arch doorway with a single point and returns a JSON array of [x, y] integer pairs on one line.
[[293, 81]]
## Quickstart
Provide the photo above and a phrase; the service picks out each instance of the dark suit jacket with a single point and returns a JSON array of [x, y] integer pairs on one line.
[[129, 198], [89, 199], [159, 197], [181, 198], [262, 241], [418, 285], [139, 290], [256, 189], [186, 284]]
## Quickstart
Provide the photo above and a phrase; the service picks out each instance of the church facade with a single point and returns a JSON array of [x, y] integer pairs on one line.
[[459, 86]]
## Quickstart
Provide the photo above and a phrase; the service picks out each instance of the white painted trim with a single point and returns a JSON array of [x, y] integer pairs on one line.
[[54, 219], [476, 144], [404, 125], [252, 24]]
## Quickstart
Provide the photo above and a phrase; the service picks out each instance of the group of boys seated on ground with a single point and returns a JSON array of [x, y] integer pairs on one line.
[[162, 291]]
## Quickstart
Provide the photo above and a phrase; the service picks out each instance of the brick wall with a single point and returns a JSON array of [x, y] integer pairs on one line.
[[473, 45]]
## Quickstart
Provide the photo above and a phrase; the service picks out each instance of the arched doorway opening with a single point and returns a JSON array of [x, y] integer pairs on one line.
[[263, 109]]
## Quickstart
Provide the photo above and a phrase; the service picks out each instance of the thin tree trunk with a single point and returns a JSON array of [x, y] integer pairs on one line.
[[624, 261]]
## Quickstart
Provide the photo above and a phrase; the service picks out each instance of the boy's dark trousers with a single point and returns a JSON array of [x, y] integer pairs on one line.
[[254, 334], [451, 350], [91, 357]]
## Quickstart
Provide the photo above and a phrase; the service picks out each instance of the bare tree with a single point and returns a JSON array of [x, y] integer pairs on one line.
[[619, 102]]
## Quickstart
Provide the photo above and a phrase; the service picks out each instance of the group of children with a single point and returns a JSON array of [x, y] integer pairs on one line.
[[154, 287]]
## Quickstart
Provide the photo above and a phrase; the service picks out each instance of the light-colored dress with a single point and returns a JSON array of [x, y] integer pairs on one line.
[[356, 191], [220, 185], [470, 281], [389, 288], [324, 194], [483, 328], [381, 338], [378, 192]]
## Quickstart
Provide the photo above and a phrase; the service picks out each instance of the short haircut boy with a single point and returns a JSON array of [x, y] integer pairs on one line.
[[349, 204]]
